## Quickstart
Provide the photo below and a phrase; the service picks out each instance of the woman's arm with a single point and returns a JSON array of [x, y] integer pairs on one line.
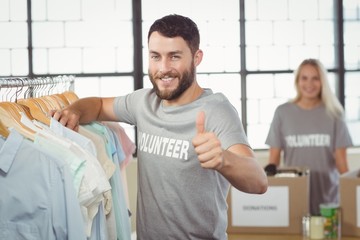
[[341, 160], [274, 156]]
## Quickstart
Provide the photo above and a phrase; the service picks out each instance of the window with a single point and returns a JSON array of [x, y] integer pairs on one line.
[[251, 48], [279, 35], [13, 40], [352, 66]]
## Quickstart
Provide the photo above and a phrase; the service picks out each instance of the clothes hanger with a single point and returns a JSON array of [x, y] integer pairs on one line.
[[67, 94], [4, 131], [10, 117], [37, 108], [45, 103], [23, 109], [62, 99], [36, 93], [70, 96], [53, 102]]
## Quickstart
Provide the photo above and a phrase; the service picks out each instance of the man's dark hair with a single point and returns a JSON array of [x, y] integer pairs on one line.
[[178, 26]]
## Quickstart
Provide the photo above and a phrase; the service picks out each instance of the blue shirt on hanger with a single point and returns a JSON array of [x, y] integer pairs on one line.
[[38, 199]]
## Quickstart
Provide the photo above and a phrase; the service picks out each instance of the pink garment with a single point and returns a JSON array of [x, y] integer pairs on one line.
[[127, 145]]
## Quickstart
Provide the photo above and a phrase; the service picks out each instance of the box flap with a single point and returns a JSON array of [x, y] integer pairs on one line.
[[351, 174]]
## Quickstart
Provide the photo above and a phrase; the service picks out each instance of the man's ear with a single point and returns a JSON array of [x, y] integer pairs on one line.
[[198, 57]]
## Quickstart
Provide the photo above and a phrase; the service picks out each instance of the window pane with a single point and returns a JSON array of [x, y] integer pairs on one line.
[[228, 84], [257, 134], [19, 62], [352, 62], [256, 32], [352, 105], [14, 38], [5, 59], [278, 9], [106, 87], [18, 9], [351, 42], [85, 37], [351, 9], [64, 60], [265, 92], [103, 86], [291, 31], [14, 35], [218, 25], [48, 34], [99, 60], [194, 9], [4, 11], [64, 9], [220, 59]]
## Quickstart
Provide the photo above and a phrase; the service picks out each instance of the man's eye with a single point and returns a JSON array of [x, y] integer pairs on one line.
[[154, 57]]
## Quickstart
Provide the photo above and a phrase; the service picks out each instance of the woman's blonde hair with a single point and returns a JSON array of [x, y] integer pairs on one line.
[[332, 104]]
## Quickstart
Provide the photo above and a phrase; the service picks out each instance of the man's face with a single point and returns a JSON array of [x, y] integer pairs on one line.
[[171, 66]]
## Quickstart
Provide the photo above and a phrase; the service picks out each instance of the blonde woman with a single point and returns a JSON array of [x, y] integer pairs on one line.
[[311, 132]]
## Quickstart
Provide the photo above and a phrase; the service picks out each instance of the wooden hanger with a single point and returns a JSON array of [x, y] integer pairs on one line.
[[23, 109], [36, 110], [62, 99], [45, 105], [70, 96], [4, 131], [10, 117], [53, 101]]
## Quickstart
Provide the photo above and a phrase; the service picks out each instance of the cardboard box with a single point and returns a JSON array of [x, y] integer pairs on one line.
[[350, 203], [278, 211]]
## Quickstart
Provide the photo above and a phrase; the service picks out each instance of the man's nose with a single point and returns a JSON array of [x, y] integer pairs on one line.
[[165, 66]]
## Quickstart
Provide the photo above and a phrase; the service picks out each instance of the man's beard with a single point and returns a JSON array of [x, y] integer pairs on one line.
[[184, 83]]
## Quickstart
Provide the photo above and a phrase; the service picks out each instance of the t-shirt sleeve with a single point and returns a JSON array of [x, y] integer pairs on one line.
[[274, 135], [124, 108], [225, 122], [342, 138]]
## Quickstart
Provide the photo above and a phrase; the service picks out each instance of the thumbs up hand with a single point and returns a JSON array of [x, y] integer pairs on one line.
[[207, 146]]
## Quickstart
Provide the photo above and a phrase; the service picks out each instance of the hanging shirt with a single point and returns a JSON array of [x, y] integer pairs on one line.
[[83, 141], [89, 178], [38, 199], [101, 148], [120, 206]]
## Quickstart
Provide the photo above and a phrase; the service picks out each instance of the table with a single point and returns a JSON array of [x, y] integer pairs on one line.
[[275, 237]]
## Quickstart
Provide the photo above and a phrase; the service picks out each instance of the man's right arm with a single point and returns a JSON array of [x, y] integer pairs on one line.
[[84, 111]]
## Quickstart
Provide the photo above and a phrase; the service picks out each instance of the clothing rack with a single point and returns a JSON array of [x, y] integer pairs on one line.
[[24, 87], [77, 175]]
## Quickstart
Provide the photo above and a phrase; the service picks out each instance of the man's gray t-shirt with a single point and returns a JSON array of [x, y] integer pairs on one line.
[[309, 138], [177, 198]]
